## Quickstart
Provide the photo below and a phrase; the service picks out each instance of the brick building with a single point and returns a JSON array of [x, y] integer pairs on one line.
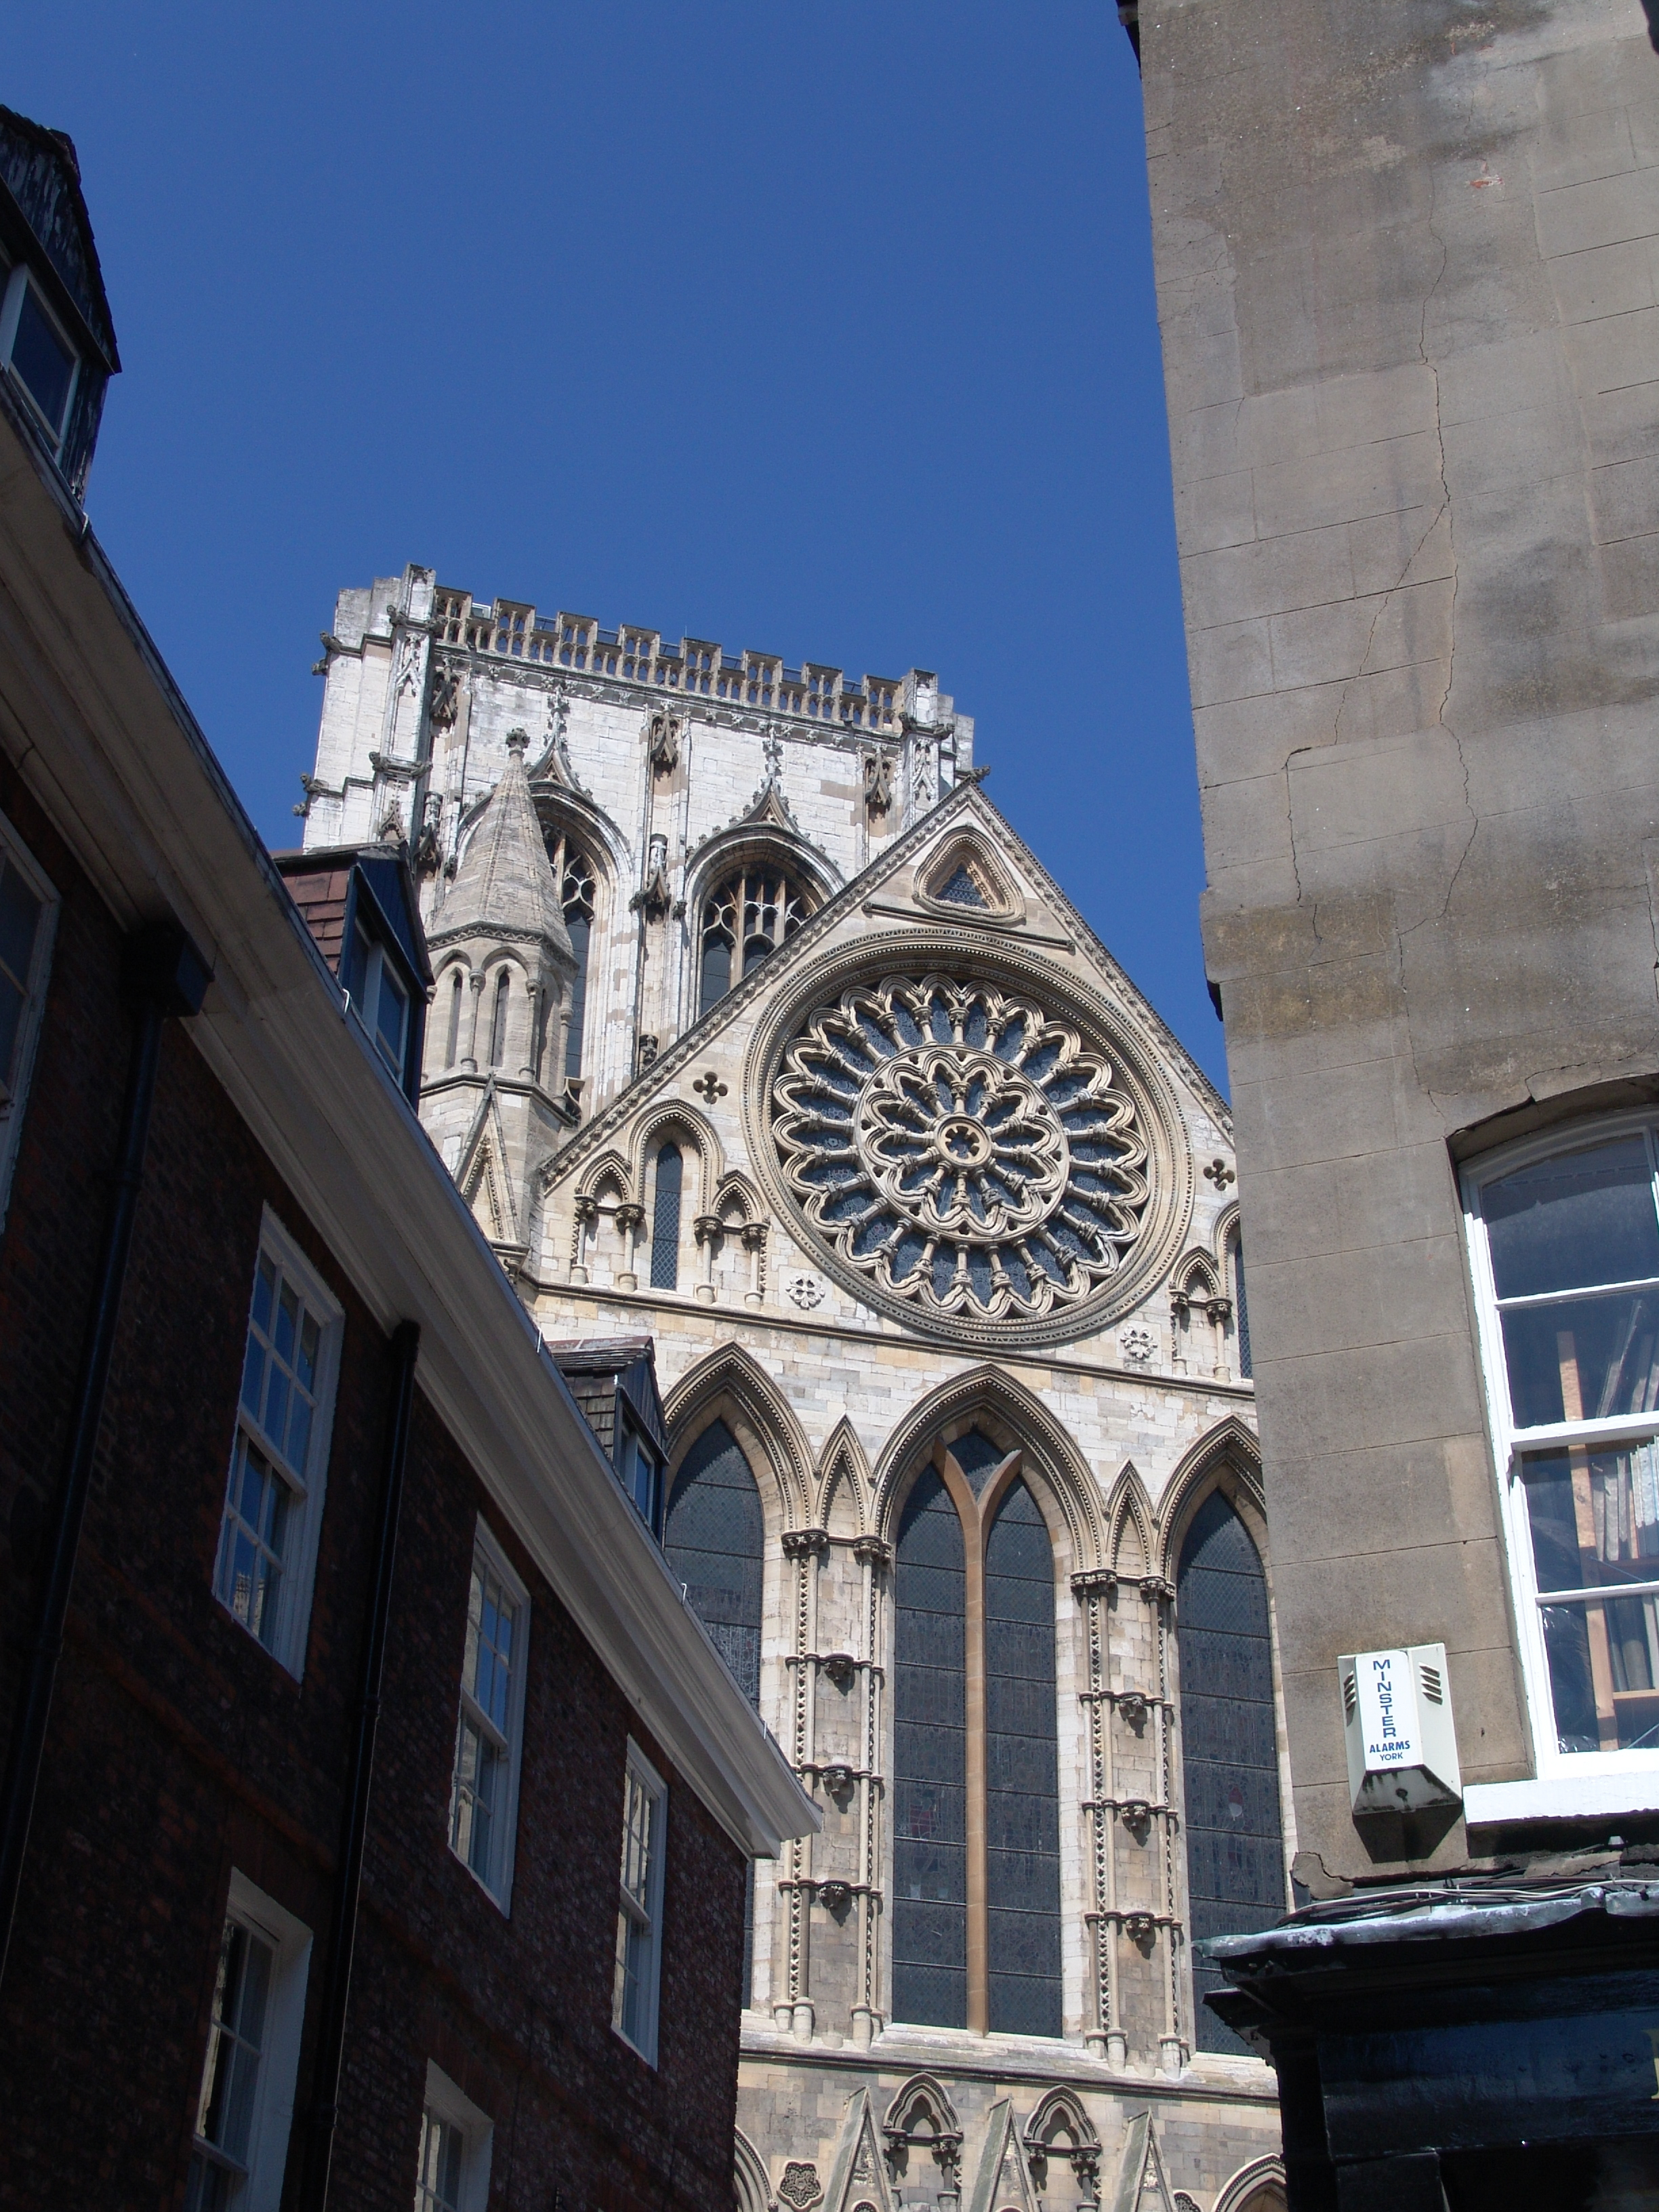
[[371, 1677]]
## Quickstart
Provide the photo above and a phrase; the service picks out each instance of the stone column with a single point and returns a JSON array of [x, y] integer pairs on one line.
[[1221, 1312], [629, 1218], [874, 1558], [707, 1229], [587, 1212], [1105, 2034], [793, 2010], [754, 1244], [1173, 2050], [470, 1059]]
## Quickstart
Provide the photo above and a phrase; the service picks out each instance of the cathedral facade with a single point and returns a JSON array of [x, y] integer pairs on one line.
[[757, 1031]]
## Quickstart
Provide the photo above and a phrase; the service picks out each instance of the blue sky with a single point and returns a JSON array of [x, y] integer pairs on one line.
[[828, 332]]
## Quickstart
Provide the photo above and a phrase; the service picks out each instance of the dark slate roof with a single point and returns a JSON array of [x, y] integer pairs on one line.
[[593, 1365], [317, 879], [41, 177]]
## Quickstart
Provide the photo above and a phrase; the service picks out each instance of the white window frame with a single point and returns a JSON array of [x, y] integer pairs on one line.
[[279, 2063], [18, 855], [21, 280], [640, 1771], [1550, 1763], [288, 1646], [496, 1880], [446, 2102]]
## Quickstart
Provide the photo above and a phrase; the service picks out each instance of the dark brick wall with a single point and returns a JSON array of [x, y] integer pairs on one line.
[[179, 1749]]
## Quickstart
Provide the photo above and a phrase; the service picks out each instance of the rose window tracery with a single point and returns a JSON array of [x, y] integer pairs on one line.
[[960, 1147]]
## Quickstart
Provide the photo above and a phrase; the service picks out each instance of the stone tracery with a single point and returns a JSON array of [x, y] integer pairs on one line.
[[961, 1146]]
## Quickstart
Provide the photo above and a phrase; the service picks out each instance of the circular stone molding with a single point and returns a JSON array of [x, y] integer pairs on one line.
[[971, 1159]]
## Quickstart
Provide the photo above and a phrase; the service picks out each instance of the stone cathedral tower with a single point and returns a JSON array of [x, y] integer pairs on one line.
[[756, 1030]]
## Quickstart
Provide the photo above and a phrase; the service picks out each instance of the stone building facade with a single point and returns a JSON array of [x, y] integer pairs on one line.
[[1406, 262], [829, 1090]]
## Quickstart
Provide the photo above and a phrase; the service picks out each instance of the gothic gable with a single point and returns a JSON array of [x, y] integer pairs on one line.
[[946, 1096]]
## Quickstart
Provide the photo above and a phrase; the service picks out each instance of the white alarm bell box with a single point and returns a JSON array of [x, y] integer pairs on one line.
[[1397, 1720]]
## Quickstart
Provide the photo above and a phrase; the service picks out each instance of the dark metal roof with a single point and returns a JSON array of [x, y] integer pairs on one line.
[[41, 178], [1433, 1916]]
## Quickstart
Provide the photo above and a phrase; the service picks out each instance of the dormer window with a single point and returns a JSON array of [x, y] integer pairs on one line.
[[379, 999], [42, 361]]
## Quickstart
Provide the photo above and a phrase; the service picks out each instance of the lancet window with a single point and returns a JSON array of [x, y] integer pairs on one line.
[[1234, 1847], [578, 882], [744, 919], [713, 1539], [976, 1913], [665, 1219], [498, 1020]]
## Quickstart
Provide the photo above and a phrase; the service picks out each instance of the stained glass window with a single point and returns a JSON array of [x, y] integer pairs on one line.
[[713, 1539], [930, 1763], [1022, 1782], [665, 1220], [1234, 1836]]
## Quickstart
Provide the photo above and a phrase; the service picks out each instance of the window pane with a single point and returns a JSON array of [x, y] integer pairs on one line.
[[1230, 1759], [20, 916], [930, 1769], [665, 1221], [1583, 1359], [1581, 1218], [389, 1018], [253, 1541], [639, 1811], [712, 1538], [438, 2178], [43, 361], [582, 930], [230, 2074], [1603, 1662], [473, 1801], [12, 1002], [1594, 1517], [1022, 1787]]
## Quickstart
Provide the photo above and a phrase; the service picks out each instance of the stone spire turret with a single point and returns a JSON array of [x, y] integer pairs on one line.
[[504, 886], [505, 966]]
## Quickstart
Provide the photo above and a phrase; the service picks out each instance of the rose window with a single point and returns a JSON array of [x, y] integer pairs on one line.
[[960, 1147]]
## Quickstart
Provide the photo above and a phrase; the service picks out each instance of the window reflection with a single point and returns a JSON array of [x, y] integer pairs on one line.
[[1593, 1517]]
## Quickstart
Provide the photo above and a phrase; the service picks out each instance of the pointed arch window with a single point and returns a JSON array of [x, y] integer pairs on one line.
[[665, 1219], [1229, 1757], [498, 1020], [578, 883], [975, 1767], [714, 1539], [452, 1038], [1241, 1312], [745, 919]]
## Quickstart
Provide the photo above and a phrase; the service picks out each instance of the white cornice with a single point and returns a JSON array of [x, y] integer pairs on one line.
[[100, 733]]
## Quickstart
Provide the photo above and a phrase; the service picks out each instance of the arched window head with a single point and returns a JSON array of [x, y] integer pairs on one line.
[[1235, 1838], [577, 885], [665, 1220], [756, 909], [453, 1035], [498, 1020], [976, 1764]]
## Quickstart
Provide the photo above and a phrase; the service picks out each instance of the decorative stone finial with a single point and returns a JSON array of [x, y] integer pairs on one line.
[[518, 741]]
